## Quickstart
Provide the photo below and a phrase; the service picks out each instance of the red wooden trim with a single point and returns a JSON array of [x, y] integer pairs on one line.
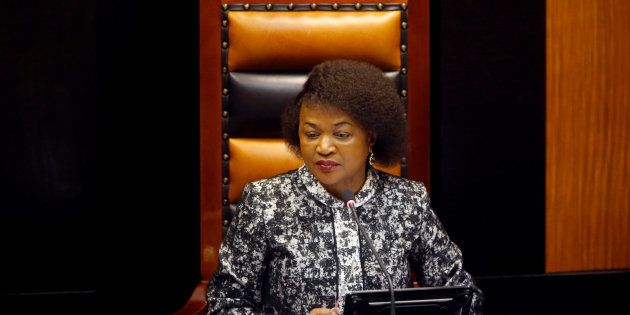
[[197, 304], [210, 133], [418, 86]]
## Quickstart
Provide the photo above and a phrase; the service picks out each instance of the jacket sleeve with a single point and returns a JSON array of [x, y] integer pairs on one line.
[[236, 285], [439, 261]]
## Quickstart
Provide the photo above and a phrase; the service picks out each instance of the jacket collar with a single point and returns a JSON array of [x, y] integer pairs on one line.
[[316, 190]]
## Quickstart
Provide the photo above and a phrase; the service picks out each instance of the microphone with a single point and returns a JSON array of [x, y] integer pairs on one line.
[[348, 199]]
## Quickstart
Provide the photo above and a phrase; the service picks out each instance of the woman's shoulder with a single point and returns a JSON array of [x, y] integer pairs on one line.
[[393, 182], [398, 191], [280, 182]]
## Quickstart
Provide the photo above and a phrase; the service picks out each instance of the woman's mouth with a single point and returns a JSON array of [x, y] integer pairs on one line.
[[326, 165]]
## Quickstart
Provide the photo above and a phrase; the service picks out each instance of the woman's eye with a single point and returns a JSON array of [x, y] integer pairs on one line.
[[343, 135], [311, 134]]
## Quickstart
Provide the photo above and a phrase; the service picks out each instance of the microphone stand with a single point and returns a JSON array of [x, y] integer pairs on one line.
[[348, 197]]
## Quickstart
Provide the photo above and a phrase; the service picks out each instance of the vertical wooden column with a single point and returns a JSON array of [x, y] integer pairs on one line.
[[210, 133], [588, 135], [418, 113]]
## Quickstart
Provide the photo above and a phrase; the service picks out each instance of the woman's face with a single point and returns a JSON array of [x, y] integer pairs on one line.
[[334, 147]]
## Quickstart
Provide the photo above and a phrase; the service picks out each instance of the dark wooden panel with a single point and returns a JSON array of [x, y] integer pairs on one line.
[[488, 131], [148, 161], [48, 168], [565, 293]]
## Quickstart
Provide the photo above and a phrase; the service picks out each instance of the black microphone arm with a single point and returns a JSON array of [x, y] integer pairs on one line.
[[348, 199]]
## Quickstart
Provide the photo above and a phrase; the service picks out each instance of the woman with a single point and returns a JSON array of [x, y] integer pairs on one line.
[[294, 247]]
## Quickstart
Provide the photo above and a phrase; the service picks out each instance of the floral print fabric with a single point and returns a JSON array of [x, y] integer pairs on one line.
[[293, 246]]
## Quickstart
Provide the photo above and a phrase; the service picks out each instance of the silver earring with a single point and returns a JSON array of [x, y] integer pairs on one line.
[[371, 158]]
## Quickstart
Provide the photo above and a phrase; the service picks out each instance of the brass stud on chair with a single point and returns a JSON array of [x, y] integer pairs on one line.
[[268, 6], [226, 223], [403, 25], [224, 70], [224, 23], [224, 45], [313, 6], [290, 6], [357, 6], [403, 6], [403, 48], [224, 114], [226, 157], [225, 180], [335, 6], [224, 6], [225, 202], [246, 6], [226, 136], [403, 93], [379, 6], [404, 71], [403, 160], [225, 92]]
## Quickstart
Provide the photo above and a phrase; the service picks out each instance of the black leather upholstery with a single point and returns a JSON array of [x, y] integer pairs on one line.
[[256, 102], [257, 99]]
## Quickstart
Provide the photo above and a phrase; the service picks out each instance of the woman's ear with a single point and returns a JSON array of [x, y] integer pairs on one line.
[[371, 140]]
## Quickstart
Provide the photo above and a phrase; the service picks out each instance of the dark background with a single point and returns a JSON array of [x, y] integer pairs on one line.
[[488, 131], [99, 164], [99, 171]]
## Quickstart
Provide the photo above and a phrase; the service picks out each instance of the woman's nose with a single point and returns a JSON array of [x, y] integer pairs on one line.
[[325, 146]]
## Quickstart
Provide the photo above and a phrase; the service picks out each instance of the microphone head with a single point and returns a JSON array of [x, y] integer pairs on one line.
[[347, 195]]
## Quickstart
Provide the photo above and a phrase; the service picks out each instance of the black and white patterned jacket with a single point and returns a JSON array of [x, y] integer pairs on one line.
[[293, 246]]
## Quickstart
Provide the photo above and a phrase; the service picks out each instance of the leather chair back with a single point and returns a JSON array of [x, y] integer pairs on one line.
[[267, 53]]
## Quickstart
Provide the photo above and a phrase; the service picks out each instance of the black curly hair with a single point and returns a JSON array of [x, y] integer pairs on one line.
[[363, 92]]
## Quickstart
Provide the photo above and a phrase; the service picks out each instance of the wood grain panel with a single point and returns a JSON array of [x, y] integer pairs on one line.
[[588, 135]]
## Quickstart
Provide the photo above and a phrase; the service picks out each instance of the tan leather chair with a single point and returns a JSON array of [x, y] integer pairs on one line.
[[254, 59]]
